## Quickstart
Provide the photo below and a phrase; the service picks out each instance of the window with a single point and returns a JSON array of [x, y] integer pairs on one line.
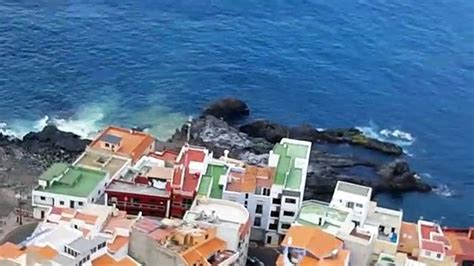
[[350, 205], [266, 192], [285, 226], [61, 202], [290, 200], [88, 257], [269, 239], [438, 255], [246, 195], [80, 203], [274, 213], [246, 203], [427, 253], [287, 213], [259, 209], [273, 227], [206, 237], [42, 198], [101, 246], [276, 201], [257, 221], [107, 145], [98, 192]]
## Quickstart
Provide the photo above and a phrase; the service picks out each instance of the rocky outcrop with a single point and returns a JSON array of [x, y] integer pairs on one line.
[[273, 132], [228, 109]]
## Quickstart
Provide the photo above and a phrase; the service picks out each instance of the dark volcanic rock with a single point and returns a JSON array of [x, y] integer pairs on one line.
[[52, 138], [228, 109], [397, 176], [272, 132]]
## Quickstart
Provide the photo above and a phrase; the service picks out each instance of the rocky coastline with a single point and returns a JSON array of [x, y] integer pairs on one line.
[[218, 129]]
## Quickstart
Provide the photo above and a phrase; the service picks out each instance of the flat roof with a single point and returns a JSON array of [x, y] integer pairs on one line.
[[312, 209], [226, 211], [353, 188], [77, 181], [106, 163], [286, 172], [210, 180], [384, 216], [408, 238], [133, 143], [54, 171], [140, 189], [190, 181]]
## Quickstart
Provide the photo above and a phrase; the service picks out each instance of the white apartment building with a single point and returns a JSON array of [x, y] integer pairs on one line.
[[290, 159], [67, 186], [231, 220]]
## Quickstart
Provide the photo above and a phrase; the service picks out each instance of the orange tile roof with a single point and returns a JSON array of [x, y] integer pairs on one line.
[[45, 252], [118, 244], [312, 239], [107, 260], [204, 250], [10, 251], [133, 144], [118, 221], [461, 244], [250, 179], [87, 218], [408, 238]]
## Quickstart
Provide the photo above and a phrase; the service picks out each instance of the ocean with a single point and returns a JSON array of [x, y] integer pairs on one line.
[[402, 71]]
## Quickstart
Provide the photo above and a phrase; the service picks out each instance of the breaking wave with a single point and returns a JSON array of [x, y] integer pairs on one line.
[[395, 136], [89, 120], [444, 190]]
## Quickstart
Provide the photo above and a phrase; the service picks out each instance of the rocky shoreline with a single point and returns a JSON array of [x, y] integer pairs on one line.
[[22, 160]]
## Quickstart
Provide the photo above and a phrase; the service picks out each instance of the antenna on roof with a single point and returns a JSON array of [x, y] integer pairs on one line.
[[188, 133]]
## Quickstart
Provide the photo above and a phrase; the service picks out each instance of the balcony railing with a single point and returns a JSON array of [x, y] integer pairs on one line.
[[124, 204]]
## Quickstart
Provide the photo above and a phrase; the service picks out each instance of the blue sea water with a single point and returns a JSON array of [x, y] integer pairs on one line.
[[400, 70]]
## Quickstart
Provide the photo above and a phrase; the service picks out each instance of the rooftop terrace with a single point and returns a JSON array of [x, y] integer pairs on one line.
[[287, 172], [75, 181], [216, 211], [331, 218], [248, 179], [140, 189], [353, 189], [106, 163], [210, 182]]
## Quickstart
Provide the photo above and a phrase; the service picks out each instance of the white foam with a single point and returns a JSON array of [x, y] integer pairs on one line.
[[395, 136], [444, 190]]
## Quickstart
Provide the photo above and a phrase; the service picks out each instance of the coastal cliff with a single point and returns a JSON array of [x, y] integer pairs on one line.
[[217, 128]]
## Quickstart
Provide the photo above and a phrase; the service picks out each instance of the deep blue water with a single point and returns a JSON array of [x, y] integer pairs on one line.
[[406, 65]]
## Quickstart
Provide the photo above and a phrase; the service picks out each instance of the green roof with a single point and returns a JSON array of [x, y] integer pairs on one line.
[[211, 181], [54, 171], [77, 181], [286, 173]]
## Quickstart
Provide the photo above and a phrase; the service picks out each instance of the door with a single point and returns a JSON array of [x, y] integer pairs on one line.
[[71, 204]]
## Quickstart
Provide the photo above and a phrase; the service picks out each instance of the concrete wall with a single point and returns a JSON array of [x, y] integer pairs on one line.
[[361, 254], [145, 250]]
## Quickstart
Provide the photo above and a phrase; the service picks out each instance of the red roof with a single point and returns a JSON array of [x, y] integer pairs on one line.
[[432, 246], [426, 231], [166, 155], [190, 180]]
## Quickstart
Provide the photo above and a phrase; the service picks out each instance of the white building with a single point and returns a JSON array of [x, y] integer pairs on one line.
[[231, 219], [67, 186], [290, 159], [354, 197]]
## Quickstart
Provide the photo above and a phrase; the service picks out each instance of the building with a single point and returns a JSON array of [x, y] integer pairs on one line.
[[353, 197], [434, 248], [250, 186], [306, 245], [400, 259], [145, 187], [15, 255], [191, 164], [123, 142], [64, 185], [409, 242], [103, 161], [290, 159], [462, 244], [175, 242], [232, 222]]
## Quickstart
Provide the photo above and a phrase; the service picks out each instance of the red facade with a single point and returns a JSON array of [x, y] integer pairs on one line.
[[180, 204], [149, 205]]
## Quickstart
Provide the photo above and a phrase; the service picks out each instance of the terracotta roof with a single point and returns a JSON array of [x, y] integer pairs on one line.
[[192, 256], [204, 251], [45, 252], [118, 244], [133, 144], [432, 246], [461, 245], [10, 251], [250, 179], [408, 238], [312, 239], [118, 221], [426, 231], [87, 218], [166, 155], [107, 260]]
